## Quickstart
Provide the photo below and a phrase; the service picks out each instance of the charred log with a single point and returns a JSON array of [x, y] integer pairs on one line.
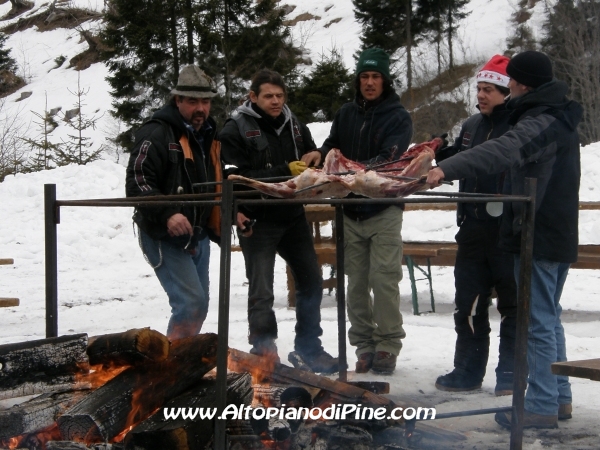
[[137, 392], [158, 432], [44, 365], [35, 414], [129, 348], [342, 392]]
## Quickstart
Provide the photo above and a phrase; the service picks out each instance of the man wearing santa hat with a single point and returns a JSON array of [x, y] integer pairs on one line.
[[480, 265]]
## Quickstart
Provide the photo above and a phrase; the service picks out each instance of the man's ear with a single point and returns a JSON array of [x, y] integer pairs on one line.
[[253, 97]]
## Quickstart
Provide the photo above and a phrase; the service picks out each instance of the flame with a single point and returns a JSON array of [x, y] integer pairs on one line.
[[100, 374], [137, 413], [33, 440]]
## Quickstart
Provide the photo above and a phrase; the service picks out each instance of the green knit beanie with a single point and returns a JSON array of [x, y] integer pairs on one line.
[[376, 60]]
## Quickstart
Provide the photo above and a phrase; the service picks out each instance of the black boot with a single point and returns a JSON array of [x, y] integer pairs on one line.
[[506, 358]]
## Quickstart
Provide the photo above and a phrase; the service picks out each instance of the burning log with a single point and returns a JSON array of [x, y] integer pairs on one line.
[[43, 366], [137, 392], [342, 392], [129, 348], [158, 432], [35, 414]]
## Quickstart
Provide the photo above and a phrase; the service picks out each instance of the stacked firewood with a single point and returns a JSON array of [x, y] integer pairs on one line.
[[105, 388], [110, 393]]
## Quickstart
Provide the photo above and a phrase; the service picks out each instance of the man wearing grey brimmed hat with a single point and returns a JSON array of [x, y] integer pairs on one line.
[[174, 152], [542, 144]]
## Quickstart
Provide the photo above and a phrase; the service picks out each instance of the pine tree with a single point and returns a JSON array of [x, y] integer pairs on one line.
[[151, 40], [392, 25], [238, 38], [6, 61], [323, 92], [43, 148], [573, 44], [144, 58], [77, 150]]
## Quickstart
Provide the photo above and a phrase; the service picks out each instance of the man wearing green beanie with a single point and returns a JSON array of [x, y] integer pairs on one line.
[[373, 128]]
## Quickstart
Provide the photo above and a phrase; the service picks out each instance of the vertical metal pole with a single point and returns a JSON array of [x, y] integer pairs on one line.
[[523, 307], [223, 328], [50, 222], [341, 291]]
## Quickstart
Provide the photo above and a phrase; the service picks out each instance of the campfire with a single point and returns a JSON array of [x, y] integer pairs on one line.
[[137, 390]]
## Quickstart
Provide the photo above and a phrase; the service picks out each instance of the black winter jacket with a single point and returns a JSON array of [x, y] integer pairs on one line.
[[476, 130], [380, 133], [157, 167], [543, 144], [241, 155]]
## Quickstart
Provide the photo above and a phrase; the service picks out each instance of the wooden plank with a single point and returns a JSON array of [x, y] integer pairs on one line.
[[7, 302], [6, 261], [589, 205], [586, 368], [430, 207]]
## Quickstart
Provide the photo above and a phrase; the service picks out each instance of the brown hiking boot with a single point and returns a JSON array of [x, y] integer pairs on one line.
[[365, 362], [384, 363], [565, 411], [530, 420]]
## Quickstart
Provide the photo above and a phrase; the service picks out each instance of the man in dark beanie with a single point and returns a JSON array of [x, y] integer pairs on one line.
[[530, 68], [174, 152], [373, 128], [543, 144]]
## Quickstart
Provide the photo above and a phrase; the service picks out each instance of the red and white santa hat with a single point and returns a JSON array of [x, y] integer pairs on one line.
[[494, 71]]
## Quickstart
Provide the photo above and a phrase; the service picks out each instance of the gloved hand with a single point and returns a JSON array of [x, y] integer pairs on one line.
[[443, 137], [297, 167]]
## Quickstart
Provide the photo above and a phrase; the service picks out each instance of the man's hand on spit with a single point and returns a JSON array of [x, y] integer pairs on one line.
[[178, 225], [434, 176], [312, 159]]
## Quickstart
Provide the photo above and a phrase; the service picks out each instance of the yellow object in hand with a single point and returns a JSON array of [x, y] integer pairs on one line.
[[297, 167]]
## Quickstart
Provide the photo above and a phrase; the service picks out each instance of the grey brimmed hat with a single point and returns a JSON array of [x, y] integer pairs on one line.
[[193, 82]]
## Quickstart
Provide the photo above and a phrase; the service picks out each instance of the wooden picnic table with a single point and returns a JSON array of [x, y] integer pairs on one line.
[[585, 368]]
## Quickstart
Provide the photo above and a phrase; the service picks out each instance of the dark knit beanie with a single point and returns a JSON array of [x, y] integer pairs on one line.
[[530, 68], [376, 60]]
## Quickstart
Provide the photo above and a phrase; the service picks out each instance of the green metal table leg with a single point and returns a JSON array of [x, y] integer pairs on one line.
[[430, 284], [413, 284]]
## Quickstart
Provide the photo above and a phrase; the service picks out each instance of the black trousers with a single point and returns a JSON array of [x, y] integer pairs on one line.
[[480, 266], [293, 242]]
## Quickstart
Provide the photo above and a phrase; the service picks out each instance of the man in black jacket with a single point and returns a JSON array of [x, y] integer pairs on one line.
[[372, 129], [480, 264], [173, 152], [543, 144], [264, 139]]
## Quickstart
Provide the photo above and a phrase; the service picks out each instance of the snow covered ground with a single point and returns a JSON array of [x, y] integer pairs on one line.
[[105, 285]]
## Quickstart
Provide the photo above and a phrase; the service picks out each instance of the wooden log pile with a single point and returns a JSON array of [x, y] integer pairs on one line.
[[112, 392], [95, 390]]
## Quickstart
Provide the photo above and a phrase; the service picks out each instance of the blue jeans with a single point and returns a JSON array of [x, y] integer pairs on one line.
[[546, 338], [184, 277], [293, 241]]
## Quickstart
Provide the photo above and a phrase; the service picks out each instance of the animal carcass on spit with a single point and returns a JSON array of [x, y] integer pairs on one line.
[[340, 176]]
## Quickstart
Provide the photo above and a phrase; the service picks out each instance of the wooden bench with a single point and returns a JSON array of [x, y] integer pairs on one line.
[[6, 302]]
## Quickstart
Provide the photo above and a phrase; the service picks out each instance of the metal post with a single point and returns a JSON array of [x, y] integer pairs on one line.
[[523, 301], [51, 219], [341, 291], [223, 327]]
